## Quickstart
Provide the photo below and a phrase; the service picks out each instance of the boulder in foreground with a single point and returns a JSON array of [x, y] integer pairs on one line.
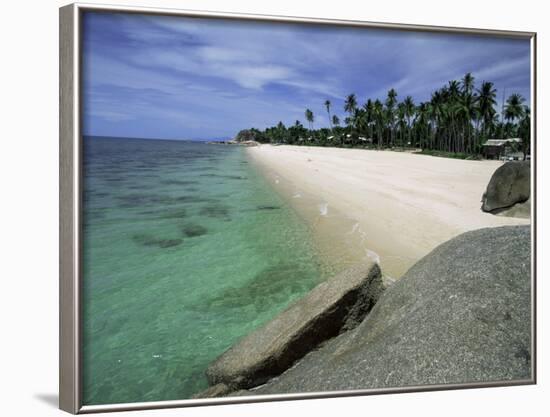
[[334, 306], [509, 185], [461, 314]]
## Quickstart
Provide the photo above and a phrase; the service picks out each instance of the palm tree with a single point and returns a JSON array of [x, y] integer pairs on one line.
[[280, 133], [379, 117], [350, 105], [468, 83], [453, 94], [360, 118], [453, 89], [466, 111], [437, 117], [401, 121], [391, 101], [514, 107], [486, 103], [423, 123], [310, 118], [409, 109], [368, 107], [327, 105]]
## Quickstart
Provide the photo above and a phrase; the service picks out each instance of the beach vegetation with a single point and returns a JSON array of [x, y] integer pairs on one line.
[[310, 118], [456, 121]]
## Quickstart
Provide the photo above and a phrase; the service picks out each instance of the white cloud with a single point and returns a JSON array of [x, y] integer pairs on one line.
[[257, 74]]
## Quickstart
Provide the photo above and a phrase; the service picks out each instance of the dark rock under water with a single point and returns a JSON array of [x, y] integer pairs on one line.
[[218, 211], [148, 240], [268, 207], [271, 285], [194, 230], [144, 199], [178, 182]]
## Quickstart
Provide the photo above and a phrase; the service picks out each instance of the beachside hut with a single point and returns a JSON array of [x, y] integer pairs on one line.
[[502, 148]]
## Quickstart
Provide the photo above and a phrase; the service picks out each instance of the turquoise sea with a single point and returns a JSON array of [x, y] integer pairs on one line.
[[186, 249]]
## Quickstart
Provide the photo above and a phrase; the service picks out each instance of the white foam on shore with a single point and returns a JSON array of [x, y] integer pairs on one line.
[[373, 255], [337, 236], [370, 254], [354, 229], [388, 280]]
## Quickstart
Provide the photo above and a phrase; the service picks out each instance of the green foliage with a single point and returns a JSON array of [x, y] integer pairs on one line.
[[247, 134], [454, 123]]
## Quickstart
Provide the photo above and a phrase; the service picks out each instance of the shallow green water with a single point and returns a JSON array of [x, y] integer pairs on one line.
[[186, 249]]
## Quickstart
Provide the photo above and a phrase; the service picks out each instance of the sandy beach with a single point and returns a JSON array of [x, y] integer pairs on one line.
[[392, 206]]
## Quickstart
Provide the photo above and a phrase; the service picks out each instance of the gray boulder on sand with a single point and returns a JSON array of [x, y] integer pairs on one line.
[[461, 314], [334, 306], [510, 184]]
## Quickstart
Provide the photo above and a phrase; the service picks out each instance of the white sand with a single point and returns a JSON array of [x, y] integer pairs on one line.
[[403, 205]]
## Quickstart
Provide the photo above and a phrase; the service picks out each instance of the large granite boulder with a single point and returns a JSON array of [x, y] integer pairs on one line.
[[510, 184], [461, 314], [334, 306]]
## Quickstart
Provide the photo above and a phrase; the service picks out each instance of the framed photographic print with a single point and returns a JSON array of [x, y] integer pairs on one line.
[[261, 208]]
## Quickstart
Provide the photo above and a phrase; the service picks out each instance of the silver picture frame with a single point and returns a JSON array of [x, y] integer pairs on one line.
[[70, 203]]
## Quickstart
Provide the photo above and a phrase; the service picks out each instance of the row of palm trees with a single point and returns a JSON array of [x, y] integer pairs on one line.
[[458, 118]]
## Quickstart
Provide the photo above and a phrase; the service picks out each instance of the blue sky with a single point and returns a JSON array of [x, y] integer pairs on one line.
[[190, 78]]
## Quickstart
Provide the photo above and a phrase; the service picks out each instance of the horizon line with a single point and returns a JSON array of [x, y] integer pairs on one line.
[[149, 138]]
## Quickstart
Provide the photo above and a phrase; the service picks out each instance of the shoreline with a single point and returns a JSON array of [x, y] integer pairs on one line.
[[338, 238], [388, 206]]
